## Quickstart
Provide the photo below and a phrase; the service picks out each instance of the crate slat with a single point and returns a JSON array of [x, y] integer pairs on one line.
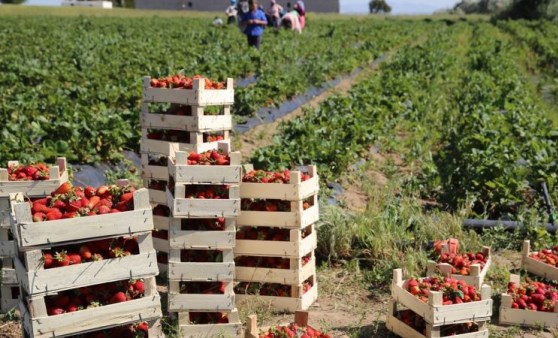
[[35, 280], [200, 123], [7, 300], [179, 302], [198, 96], [201, 271], [202, 239], [295, 190], [231, 329], [295, 219], [161, 244], [161, 147], [283, 276], [296, 247], [290, 304], [203, 208], [222, 174]]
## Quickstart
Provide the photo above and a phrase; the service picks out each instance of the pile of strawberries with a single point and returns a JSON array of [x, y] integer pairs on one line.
[[461, 263], [201, 256], [203, 224], [180, 81], [210, 157], [207, 191], [535, 296], [262, 176], [29, 172], [212, 138], [454, 291], [208, 317], [271, 205], [293, 331], [69, 202], [417, 322], [94, 296], [140, 330], [90, 252], [206, 288], [548, 256]]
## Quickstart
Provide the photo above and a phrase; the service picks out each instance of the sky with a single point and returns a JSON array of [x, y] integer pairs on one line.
[[350, 6]]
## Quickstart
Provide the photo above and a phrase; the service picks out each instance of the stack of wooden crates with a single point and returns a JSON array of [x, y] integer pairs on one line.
[[200, 259], [9, 288], [275, 247], [38, 285]]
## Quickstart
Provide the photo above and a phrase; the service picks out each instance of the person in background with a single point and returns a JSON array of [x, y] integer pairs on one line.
[[299, 7], [254, 22], [291, 21], [231, 13], [274, 13]]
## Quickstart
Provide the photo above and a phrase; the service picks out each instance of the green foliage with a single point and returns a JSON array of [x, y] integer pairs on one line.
[[379, 6], [532, 10], [13, 2]]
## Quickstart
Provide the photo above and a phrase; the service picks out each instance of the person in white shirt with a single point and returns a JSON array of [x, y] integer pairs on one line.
[[231, 13], [274, 13]]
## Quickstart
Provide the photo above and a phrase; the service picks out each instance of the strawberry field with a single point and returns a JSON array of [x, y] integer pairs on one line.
[[457, 122]]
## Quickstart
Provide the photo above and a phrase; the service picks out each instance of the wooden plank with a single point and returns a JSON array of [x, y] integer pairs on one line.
[[9, 299], [30, 235], [158, 196], [282, 219], [295, 190], [5, 212], [9, 276], [191, 330], [297, 247], [401, 329], [58, 175], [153, 172], [198, 96], [537, 267], [148, 146], [476, 277], [221, 174], [202, 123], [201, 271], [203, 239], [290, 304], [35, 280], [7, 248], [509, 316], [179, 302], [282, 276], [204, 208], [144, 309], [437, 314], [161, 244], [161, 223]]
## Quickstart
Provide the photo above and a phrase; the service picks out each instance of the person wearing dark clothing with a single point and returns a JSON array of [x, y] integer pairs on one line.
[[254, 22]]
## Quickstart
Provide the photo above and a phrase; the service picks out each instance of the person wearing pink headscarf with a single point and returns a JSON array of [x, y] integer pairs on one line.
[[299, 8], [291, 20], [274, 13]]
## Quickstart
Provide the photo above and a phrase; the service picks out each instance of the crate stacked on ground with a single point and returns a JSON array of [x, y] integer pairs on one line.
[[33, 181], [85, 260], [179, 113], [276, 238], [298, 328], [438, 307], [204, 200], [531, 303]]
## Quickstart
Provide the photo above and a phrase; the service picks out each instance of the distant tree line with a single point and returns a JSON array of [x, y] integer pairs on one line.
[[379, 6], [512, 9]]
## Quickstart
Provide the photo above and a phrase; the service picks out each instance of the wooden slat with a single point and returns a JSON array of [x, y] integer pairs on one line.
[[192, 330], [204, 271], [281, 276], [291, 220], [7, 302], [198, 96], [203, 123], [203, 239], [290, 304], [204, 208], [179, 302], [184, 173], [295, 190], [297, 247], [509, 316]]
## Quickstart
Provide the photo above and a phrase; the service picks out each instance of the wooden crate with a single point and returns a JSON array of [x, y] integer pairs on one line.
[[221, 174], [179, 302], [203, 208], [252, 330], [297, 218], [528, 318], [299, 300], [155, 330], [161, 244], [437, 314], [156, 196], [31, 236], [201, 271], [401, 329], [195, 143], [475, 277], [198, 96], [9, 288], [38, 324], [7, 244], [296, 275], [295, 190], [151, 171], [536, 267], [296, 247], [5, 212], [191, 330], [58, 175], [198, 122], [36, 280], [202, 239], [161, 222]]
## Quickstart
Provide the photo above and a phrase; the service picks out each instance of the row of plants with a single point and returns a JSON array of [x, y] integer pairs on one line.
[[73, 87]]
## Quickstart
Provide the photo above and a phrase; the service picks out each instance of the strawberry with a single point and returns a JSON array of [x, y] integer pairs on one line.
[[85, 252], [48, 260], [61, 259], [39, 217], [55, 311], [89, 191], [74, 258], [65, 188], [119, 297]]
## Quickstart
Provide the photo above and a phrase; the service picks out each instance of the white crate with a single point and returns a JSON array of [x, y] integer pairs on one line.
[[201, 271], [198, 122], [296, 247], [437, 314], [295, 275], [191, 330], [9, 298], [202, 239], [151, 171], [295, 190], [297, 218], [7, 245], [39, 324], [36, 280], [58, 175], [161, 147], [198, 96], [179, 302], [252, 330], [203, 208], [30, 235], [536, 267], [476, 274]]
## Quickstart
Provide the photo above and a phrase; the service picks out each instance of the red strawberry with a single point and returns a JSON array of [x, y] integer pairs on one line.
[[85, 252], [55, 311], [65, 188], [54, 215], [74, 258], [119, 297], [90, 191], [39, 217], [48, 260], [61, 259]]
